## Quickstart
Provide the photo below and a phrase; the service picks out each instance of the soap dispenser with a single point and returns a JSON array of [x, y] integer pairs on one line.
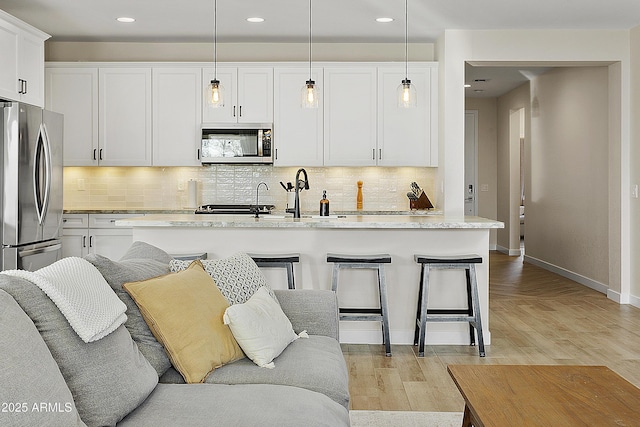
[[324, 204]]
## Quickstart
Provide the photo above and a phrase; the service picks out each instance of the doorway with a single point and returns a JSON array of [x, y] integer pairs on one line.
[[470, 162]]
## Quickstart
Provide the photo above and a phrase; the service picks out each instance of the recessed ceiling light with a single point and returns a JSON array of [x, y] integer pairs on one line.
[[255, 19], [125, 19], [384, 19]]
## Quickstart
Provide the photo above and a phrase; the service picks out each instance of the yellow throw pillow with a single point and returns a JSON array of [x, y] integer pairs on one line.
[[184, 311]]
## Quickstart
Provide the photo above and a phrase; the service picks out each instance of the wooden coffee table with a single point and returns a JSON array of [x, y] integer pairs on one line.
[[553, 395]]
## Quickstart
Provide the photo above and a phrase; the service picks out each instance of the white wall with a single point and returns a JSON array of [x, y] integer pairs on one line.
[[634, 159], [540, 47], [234, 52], [487, 154], [566, 208], [508, 165]]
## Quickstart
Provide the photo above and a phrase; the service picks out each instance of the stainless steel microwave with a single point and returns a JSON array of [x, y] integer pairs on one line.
[[237, 143]]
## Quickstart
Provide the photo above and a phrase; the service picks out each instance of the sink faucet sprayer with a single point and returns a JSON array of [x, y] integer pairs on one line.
[[257, 196], [300, 185]]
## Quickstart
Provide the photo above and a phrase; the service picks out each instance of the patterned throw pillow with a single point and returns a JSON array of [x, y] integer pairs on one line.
[[238, 277]]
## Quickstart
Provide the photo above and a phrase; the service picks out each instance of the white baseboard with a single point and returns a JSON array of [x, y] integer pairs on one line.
[[590, 283], [405, 337], [507, 251], [633, 300]]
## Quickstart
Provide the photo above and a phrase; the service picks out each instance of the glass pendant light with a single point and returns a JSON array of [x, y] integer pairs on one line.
[[215, 91], [309, 92], [407, 95]]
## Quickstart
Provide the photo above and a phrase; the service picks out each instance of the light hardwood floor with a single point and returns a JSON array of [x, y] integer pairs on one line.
[[537, 317]]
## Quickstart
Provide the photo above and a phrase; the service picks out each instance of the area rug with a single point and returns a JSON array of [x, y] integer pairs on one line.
[[405, 419]]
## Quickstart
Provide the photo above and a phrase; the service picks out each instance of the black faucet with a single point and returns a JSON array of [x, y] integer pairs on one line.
[[257, 209], [300, 185]]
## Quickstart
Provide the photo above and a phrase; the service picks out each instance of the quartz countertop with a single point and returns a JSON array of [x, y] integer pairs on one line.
[[137, 211], [307, 221], [143, 211]]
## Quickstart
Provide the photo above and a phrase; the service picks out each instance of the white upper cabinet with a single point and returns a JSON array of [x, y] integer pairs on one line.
[[22, 53], [124, 124], [248, 95], [297, 131], [74, 93], [176, 116], [405, 135], [350, 116]]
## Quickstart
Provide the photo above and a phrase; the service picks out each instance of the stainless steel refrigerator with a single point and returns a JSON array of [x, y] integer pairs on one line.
[[31, 186]]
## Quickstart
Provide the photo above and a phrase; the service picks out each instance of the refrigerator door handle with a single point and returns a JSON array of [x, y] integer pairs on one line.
[[42, 173]]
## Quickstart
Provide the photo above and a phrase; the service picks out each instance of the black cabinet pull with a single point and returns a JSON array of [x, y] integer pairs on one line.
[[241, 111], [84, 241], [94, 154], [234, 111], [198, 154], [101, 154]]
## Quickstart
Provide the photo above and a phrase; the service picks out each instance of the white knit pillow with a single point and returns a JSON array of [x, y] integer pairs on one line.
[[261, 328]]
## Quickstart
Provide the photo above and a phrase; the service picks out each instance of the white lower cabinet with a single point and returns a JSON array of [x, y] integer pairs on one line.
[[83, 234]]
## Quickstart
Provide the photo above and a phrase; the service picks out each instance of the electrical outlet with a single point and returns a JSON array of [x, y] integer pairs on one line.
[[180, 185], [484, 187], [80, 184]]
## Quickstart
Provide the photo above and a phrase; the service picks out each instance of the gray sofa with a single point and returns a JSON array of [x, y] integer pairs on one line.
[[49, 376]]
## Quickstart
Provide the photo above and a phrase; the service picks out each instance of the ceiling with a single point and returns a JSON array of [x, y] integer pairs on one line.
[[334, 21], [288, 20]]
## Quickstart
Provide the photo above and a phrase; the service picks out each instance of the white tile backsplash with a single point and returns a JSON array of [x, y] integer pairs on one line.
[[167, 188]]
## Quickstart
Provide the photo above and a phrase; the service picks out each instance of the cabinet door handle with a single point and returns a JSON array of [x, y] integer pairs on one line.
[[90, 241], [101, 154], [24, 82], [94, 154], [84, 241], [379, 153], [276, 154], [198, 154], [23, 86], [234, 111], [373, 154], [240, 108]]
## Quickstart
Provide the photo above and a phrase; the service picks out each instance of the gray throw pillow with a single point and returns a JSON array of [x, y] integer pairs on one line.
[[29, 376], [238, 277], [108, 378], [141, 262]]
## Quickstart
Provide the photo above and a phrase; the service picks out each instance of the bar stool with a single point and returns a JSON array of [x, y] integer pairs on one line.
[[375, 262], [190, 257], [470, 314], [278, 261]]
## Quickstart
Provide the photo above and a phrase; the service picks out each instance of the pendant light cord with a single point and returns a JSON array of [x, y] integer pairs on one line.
[[215, 39], [310, 40], [406, 42]]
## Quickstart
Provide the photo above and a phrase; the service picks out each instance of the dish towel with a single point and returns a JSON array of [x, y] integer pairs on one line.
[[81, 294]]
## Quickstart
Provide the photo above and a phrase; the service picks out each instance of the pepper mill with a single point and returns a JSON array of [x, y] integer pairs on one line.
[[359, 197]]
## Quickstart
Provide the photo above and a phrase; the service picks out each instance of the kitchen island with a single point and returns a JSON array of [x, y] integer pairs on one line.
[[401, 236]]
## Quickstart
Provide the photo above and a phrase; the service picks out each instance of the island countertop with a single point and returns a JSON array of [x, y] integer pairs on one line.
[[332, 222], [401, 236]]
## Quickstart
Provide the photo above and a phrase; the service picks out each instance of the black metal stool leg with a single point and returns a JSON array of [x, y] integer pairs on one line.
[[472, 334]]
